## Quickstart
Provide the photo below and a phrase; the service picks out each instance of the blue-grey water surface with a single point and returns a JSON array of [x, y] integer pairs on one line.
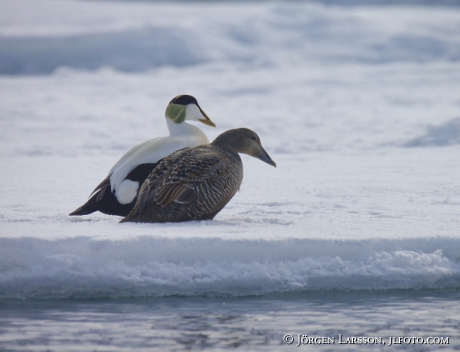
[[244, 323]]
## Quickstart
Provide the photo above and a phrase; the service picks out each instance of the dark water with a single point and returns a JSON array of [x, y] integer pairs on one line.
[[244, 323]]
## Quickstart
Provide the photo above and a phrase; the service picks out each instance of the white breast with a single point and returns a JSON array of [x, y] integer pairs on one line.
[[182, 136]]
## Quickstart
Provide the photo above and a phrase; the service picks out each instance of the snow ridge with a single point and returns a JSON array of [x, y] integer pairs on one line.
[[145, 266]]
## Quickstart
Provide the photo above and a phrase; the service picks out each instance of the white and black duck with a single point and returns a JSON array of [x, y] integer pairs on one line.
[[117, 193], [197, 183]]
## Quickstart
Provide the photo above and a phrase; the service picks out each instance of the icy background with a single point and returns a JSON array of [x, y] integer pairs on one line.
[[359, 106]]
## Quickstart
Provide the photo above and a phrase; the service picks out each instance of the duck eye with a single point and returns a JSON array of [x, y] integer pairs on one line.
[[254, 139]]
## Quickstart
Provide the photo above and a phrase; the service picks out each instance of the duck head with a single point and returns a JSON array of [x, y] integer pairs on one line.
[[185, 107], [246, 141]]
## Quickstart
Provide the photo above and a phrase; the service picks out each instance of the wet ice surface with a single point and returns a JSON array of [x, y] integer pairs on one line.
[[247, 323], [328, 232]]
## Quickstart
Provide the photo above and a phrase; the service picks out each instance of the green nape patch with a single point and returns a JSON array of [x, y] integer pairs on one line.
[[176, 113]]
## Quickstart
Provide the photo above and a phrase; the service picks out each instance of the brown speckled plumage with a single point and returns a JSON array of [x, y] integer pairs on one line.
[[196, 183]]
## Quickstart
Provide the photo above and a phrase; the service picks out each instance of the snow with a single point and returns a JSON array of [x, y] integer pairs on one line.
[[357, 105]]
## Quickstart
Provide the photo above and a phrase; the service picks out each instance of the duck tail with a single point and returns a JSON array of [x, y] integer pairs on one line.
[[131, 217], [89, 207]]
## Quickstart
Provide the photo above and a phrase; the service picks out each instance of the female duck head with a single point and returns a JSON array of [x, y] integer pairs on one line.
[[186, 107], [246, 141]]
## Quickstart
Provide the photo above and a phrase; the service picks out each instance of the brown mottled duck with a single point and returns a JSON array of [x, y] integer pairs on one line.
[[196, 183]]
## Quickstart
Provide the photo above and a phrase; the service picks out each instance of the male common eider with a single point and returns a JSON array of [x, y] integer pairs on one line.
[[197, 183], [116, 195]]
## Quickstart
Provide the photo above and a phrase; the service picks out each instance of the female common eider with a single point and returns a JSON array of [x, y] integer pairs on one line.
[[116, 195], [197, 183]]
